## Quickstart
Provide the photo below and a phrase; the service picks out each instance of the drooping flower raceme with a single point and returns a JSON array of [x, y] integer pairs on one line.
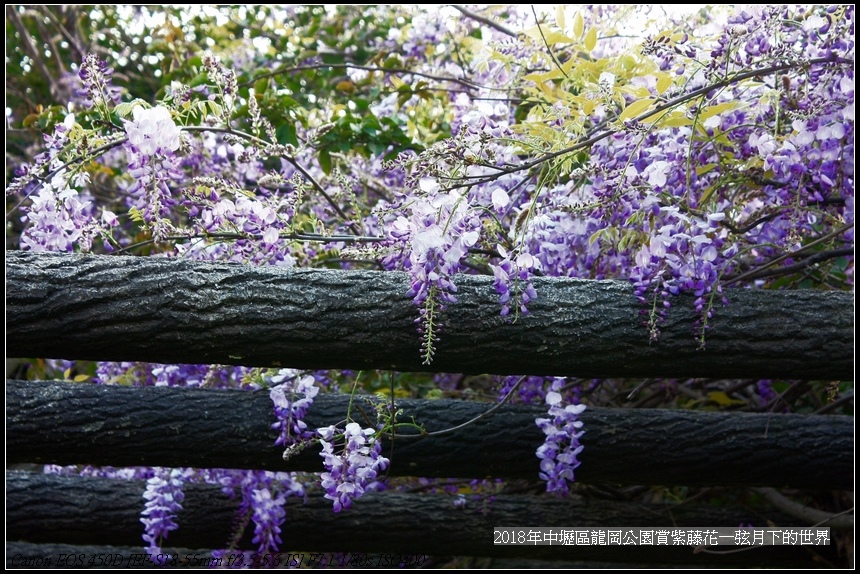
[[441, 229], [97, 90], [263, 496], [292, 399], [558, 454], [514, 273], [153, 139], [164, 498], [354, 470], [269, 514]]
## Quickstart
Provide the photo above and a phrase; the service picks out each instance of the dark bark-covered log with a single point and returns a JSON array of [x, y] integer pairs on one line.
[[75, 510], [176, 311], [28, 555], [79, 423]]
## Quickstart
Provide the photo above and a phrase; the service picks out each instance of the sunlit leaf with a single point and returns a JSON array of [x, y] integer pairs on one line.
[[717, 109], [636, 108], [703, 169], [674, 120], [590, 40], [664, 81], [553, 38], [578, 26]]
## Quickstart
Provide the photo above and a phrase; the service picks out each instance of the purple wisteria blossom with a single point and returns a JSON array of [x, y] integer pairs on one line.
[[153, 139], [97, 90], [292, 397], [268, 516], [263, 498], [355, 468], [441, 230], [164, 498], [511, 278], [558, 454]]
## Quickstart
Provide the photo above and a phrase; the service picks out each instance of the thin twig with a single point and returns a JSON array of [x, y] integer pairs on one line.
[[753, 273], [316, 185], [812, 516], [29, 46], [661, 108], [69, 38], [467, 423], [290, 69], [485, 21], [548, 47], [800, 265], [845, 398], [309, 237]]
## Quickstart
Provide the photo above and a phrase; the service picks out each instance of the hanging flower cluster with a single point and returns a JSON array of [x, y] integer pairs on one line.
[[354, 468], [559, 453], [292, 397], [440, 232], [153, 139], [164, 498]]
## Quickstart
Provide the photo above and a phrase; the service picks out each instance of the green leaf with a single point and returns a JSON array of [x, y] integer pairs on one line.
[[261, 85], [675, 120], [723, 399], [553, 38], [135, 215], [664, 82], [559, 16], [578, 26], [635, 109], [286, 134], [703, 169], [591, 39], [325, 161], [125, 109], [711, 111], [330, 58]]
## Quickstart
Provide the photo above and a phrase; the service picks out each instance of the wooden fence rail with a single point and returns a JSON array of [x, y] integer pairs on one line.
[[176, 311], [80, 423], [94, 511]]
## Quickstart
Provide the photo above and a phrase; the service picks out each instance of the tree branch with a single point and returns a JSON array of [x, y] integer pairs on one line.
[[485, 21], [809, 515], [755, 273]]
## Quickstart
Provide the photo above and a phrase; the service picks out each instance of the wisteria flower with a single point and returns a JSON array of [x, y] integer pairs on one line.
[[153, 130], [353, 470], [558, 455], [292, 398], [164, 498]]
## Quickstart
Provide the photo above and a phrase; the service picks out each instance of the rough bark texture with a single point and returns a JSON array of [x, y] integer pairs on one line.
[[74, 423], [175, 311], [75, 510], [20, 555]]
